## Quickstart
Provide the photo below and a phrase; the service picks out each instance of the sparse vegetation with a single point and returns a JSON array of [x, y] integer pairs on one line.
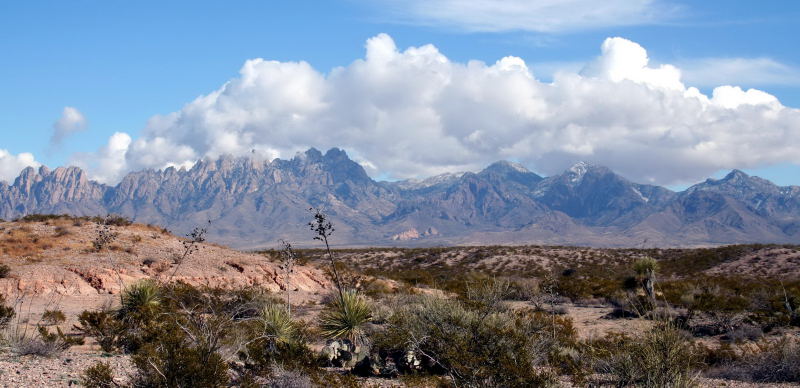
[[459, 316], [41, 343], [190, 246], [104, 236]]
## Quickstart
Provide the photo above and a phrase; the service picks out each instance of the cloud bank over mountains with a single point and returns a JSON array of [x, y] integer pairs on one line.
[[11, 165], [415, 113]]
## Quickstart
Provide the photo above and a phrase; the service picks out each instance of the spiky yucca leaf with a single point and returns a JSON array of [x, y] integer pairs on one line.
[[139, 299], [645, 266], [277, 324], [346, 317]]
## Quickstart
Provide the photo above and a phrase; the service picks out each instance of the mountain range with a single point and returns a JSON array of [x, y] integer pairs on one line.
[[253, 203]]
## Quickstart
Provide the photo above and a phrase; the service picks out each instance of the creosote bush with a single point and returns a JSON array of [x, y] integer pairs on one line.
[[99, 375], [176, 357], [474, 347], [662, 357], [769, 362]]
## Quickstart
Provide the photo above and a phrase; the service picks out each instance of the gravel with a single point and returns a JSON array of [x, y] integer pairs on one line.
[[62, 371]]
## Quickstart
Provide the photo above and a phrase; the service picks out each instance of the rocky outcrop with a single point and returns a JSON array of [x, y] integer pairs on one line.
[[68, 266]]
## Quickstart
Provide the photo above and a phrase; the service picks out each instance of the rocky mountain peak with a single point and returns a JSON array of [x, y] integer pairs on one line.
[[579, 168], [506, 166], [26, 179], [738, 184], [576, 173], [254, 202], [510, 172], [735, 175], [311, 155]]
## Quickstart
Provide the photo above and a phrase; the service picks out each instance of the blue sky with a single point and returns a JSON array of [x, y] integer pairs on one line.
[[120, 63]]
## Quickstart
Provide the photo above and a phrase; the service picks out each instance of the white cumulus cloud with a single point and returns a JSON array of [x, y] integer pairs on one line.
[[70, 122], [415, 113], [108, 164], [11, 165], [525, 15]]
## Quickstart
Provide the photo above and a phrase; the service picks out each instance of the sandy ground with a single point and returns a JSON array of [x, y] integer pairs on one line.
[[62, 371]]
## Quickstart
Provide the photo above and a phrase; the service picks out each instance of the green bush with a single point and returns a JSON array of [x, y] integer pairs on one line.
[[175, 359], [99, 375], [4, 271], [103, 326], [276, 338], [474, 348], [663, 357]]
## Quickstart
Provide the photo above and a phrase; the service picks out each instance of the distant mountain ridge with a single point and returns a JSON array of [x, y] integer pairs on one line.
[[255, 203]]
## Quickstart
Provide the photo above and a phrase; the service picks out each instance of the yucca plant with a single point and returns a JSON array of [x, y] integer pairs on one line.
[[139, 300], [346, 318], [646, 268], [277, 324]]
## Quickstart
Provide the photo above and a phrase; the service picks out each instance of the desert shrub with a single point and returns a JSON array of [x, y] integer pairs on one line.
[[276, 337], [663, 357], [43, 343], [103, 326], [474, 348], [523, 288], [198, 331], [4, 271], [99, 375], [743, 333], [174, 359], [378, 288], [238, 304], [112, 220], [43, 217], [61, 231], [346, 317], [769, 362], [713, 357], [103, 238], [6, 313], [53, 317], [583, 287]]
